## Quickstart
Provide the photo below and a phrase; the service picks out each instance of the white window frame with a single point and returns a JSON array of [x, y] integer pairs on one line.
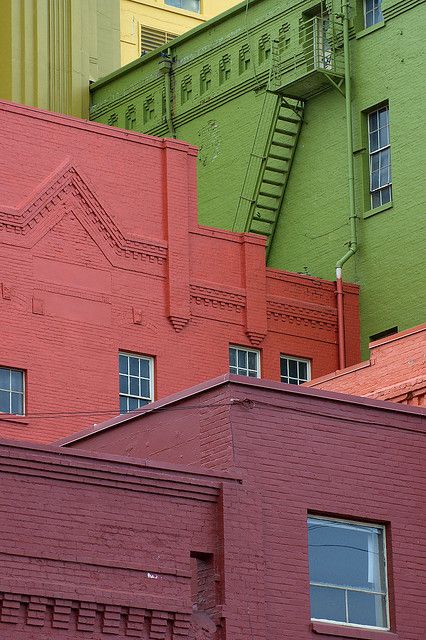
[[385, 569], [378, 152], [306, 361], [10, 391], [376, 14], [247, 350], [150, 361]]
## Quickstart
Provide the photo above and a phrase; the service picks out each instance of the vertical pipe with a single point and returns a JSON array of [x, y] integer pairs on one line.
[[353, 243], [168, 95]]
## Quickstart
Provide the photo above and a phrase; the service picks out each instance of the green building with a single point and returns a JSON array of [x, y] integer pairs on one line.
[[310, 121]]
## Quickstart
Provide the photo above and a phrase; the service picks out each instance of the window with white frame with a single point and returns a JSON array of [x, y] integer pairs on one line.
[[294, 370], [136, 381], [347, 570], [12, 391], [189, 5], [379, 157], [372, 12], [244, 362]]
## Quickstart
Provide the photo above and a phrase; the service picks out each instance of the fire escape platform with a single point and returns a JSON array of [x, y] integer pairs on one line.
[[309, 84]]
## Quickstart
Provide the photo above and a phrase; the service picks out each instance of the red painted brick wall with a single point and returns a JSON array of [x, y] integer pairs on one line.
[[396, 370], [100, 251], [298, 451]]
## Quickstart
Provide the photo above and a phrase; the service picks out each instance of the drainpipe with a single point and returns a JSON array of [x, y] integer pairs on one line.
[[353, 243], [166, 68]]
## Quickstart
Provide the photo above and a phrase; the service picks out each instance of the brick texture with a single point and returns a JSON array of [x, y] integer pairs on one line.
[[100, 251]]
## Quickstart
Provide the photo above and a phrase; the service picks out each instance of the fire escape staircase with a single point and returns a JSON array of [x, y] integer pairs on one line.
[[275, 167], [313, 66]]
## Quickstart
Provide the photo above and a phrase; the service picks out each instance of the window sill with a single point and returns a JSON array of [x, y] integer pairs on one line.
[[9, 417], [373, 212], [330, 629], [368, 30]]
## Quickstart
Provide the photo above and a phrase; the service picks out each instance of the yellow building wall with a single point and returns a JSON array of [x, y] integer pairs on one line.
[[51, 49], [155, 14]]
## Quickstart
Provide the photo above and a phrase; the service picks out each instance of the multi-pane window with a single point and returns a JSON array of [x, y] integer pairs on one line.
[[136, 381], [294, 370], [372, 12], [11, 391], [380, 157], [347, 569], [189, 5], [244, 362]]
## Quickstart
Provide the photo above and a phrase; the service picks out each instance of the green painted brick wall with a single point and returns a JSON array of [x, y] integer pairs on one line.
[[388, 64]]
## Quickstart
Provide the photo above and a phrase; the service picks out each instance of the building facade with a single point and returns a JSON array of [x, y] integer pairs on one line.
[[147, 24], [51, 49], [396, 370], [312, 540], [112, 295], [324, 120]]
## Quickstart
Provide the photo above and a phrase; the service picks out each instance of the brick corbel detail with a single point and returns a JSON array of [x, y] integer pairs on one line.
[[177, 212], [254, 262]]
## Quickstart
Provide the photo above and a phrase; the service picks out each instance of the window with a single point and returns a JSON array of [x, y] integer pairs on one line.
[[151, 38], [380, 157], [347, 572], [11, 391], [189, 5], [244, 362], [295, 370], [372, 12], [136, 381]]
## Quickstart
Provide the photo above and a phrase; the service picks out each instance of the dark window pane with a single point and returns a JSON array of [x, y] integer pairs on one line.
[[328, 604], [133, 404], [144, 368], [233, 370], [292, 367], [366, 608], [293, 381], [283, 365], [124, 384], [4, 402], [383, 118], [17, 403], [386, 195], [303, 370], [145, 388], [242, 359], [252, 374], [134, 366], [375, 162], [17, 380], [233, 357], [134, 386], [142, 403], [123, 362], [4, 378], [374, 141], [252, 360], [373, 121], [123, 404], [375, 200]]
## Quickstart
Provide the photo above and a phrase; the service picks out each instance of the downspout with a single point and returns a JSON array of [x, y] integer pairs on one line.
[[166, 68], [353, 242]]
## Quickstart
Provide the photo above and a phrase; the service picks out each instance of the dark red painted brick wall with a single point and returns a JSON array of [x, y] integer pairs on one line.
[[100, 251], [298, 451]]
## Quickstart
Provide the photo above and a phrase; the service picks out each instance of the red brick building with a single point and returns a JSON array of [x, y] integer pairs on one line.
[[101, 255], [396, 370], [251, 490]]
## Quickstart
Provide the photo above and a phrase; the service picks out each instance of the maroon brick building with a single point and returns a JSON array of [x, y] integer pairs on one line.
[[246, 510]]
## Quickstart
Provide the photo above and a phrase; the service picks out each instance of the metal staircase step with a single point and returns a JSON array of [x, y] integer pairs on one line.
[[274, 182], [275, 157], [269, 195], [284, 145], [287, 119], [266, 207], [285, 132], [276, 170]]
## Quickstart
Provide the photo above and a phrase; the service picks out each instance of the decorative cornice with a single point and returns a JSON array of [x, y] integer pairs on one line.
[[70, 192], [217, 298], [21, 611], [307, 315]]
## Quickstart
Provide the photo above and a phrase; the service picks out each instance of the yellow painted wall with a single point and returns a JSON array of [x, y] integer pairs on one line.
[[51, 49], [157, 15]]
